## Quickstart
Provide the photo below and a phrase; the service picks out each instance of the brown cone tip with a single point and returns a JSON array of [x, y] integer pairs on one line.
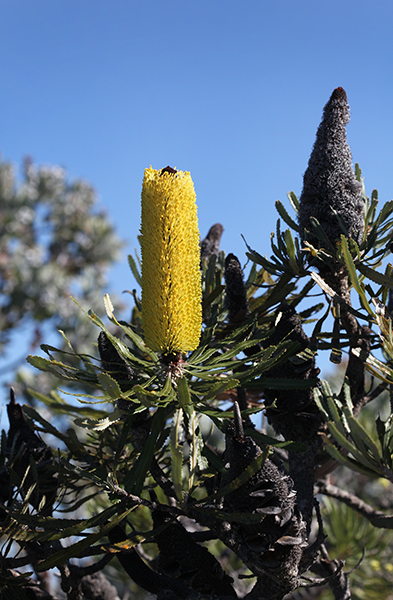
[[168, 169], [339, 94]]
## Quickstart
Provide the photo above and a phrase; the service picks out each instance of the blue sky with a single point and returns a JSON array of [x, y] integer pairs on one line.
[[232, 91]]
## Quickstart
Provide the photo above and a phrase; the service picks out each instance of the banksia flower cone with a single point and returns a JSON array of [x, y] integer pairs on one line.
[[330, 187], [171, 279]]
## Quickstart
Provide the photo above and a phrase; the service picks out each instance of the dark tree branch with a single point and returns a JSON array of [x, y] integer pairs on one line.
[[323, 487]]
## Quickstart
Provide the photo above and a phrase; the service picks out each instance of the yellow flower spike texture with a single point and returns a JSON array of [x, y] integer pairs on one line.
[[171, 277]]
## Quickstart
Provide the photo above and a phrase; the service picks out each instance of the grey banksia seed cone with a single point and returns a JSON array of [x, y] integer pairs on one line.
[[330, 187], [211, 244], [235, 290]]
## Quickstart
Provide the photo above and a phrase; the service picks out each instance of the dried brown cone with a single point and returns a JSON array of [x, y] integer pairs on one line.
[[211, 244], [235, 290], [330, 187]]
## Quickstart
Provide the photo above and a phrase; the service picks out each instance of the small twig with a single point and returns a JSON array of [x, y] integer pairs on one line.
[[361, 559], [371, 396], [309, 582], [335, 576]]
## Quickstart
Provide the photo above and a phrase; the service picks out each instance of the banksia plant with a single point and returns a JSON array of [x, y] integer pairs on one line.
[[171, 279], [149, 483], [331, 193]]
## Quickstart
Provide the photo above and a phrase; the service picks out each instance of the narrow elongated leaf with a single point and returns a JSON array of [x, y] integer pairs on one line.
[[353, 275], [183, 393], [215, 293], [361, 458], [66, 528], [134, 269], [177, 453], [375, 276], [370, 214], [56, 403], [201, 355], [253, 468], [245, 518], [53, 366], [291, 252], [100, 424], [358, 431], [319, 401], [319, 230], [286, 217], [294, 201], [335, 415], [220, 386], [280, 240], [217, 415], [281, 384], [134, 337], [213, 458], [109, 308], [375, 366], [48, 427], [193, 425], [349, 462], [263, 261], [110, 385], [328, 290], [135, 478], [267, 440], [278, 251], [75, 549]]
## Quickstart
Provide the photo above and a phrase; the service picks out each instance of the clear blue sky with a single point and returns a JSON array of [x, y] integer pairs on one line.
[[232, 91]]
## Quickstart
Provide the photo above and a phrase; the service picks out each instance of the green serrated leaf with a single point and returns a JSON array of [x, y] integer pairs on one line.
[[253, 468], [76, 549], [134, 269], [48, 427], [362, 459], [109, 308], [177, 453], [336, 416], [358, 432], [286, 217], [281, 384], [294, 201], [219, 387], [375, 276], [110, 385], [267, 440], [195, 452], [349, 462], [213, 458], [291, 252], [135, 478], [183, 393], [100, 424], [375, 366], [353, 275], [245, 518]]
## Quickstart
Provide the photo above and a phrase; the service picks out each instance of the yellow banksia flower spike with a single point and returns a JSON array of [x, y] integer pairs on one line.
[[171, 278]]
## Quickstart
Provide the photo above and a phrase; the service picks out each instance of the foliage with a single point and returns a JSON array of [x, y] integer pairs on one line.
[[140, 476], [54, 243]]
